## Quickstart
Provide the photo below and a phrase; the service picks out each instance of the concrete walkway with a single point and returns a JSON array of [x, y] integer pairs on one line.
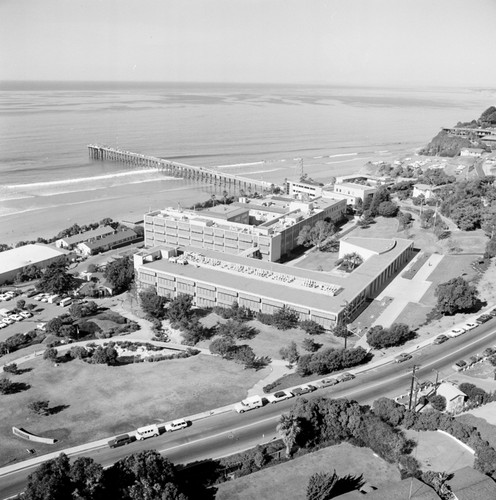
[[403, 291], [278, 368]]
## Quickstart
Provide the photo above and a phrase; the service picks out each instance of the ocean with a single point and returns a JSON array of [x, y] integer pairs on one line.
[[48, 181]]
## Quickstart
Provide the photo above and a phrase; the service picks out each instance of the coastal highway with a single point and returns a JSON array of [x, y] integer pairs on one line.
[[227, 433]]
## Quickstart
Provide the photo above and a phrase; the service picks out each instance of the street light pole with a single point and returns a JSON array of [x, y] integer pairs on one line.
[[414, 369]]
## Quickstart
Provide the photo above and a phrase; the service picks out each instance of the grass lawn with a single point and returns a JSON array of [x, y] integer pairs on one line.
[[270, 340], [438, 452], [324, 261], [104, 401], [290, 479], [414, 314]]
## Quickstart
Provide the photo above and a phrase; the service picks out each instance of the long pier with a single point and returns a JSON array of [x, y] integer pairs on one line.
[[200, 174]]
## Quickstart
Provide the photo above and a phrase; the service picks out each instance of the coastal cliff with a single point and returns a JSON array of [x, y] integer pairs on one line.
[[445, 144]]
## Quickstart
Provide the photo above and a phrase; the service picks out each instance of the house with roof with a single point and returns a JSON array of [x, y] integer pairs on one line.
[[108, 242], [425, 190], [70, 242], [469, 484], [455, 398], [473, 152]]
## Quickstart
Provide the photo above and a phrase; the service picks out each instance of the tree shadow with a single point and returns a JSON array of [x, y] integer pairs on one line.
[[57, 409], [20, 371], [348, 483], [16, 387], [198, 479]]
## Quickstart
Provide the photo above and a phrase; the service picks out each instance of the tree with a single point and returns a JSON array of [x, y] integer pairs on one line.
[[50, 354], [56, 279], [76, 310], [397, 334], [381, 195], [11, 368], [152, 303], [312, 327], [390, 411], [290, 353], [120, 274], [87, 478], [222, 346], [456, 295], [70, 331], [50, 481], [387, 209], [180, 309], [54, 325], [352, 260], [474, 393], [342, 332], [78, 352], [104, 355], [236, 330], [288, 428], [310, 345], [316, 235], [6, 386], [285, 318], [322, 486], [438, 402], [20, 304], [39, 407]]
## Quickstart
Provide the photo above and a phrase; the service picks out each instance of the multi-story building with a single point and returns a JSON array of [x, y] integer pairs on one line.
[[267, 227], [215, 278]]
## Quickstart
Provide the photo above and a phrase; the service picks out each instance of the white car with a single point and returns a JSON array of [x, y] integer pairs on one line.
[[25, 314], [455, 332], [16, 317], [176, 425], [7, 321], [469, 326], [279, 396], [2, 325]]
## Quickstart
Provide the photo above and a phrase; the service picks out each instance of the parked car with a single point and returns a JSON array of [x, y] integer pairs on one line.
[[176, 425], [402, 357], [344, 377], [469, 326], [7, 321], [25, 314], [304, 389], [460, 365], [483, 319], [440, 339], [121, 440], [279, 396], [3, 325], [492, 312], [489, 351], [147, 432], [456, 332], [16, 317], [328, 382]]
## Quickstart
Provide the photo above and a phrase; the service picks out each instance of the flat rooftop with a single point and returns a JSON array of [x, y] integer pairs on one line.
[[352, 284], [27, 255]]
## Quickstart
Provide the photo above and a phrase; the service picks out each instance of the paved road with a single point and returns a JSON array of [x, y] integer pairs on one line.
[[223, 434]]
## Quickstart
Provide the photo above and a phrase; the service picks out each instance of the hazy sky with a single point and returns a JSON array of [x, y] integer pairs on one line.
[[371, 42]]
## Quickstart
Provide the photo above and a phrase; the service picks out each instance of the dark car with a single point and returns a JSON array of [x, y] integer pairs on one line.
[[402, 357], [483, 319], [492, 312], [440, 339], [121, 440], [459, 365], [304, 389]]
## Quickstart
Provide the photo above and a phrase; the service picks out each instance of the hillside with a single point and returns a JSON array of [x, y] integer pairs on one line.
[[444, 144]]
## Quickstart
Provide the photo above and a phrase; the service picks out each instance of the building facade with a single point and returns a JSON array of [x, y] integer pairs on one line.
[[217, 279], [268, 228]]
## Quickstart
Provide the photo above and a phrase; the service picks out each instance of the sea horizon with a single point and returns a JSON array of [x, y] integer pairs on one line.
[[262, 131]]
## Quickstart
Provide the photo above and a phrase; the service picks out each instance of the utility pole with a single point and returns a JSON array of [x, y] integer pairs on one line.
[[414, 369]]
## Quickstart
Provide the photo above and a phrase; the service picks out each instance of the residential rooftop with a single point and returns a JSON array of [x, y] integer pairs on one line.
[[80, 237], [110, 239]]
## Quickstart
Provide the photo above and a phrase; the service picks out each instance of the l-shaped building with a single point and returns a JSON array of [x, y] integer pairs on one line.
[[215, 278]]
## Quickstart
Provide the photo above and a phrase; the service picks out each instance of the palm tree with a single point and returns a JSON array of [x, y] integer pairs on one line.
[[225, 194], [213, 199], [288, 428]]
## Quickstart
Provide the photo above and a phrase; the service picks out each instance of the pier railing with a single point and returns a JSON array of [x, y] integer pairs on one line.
[[176, 169]]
